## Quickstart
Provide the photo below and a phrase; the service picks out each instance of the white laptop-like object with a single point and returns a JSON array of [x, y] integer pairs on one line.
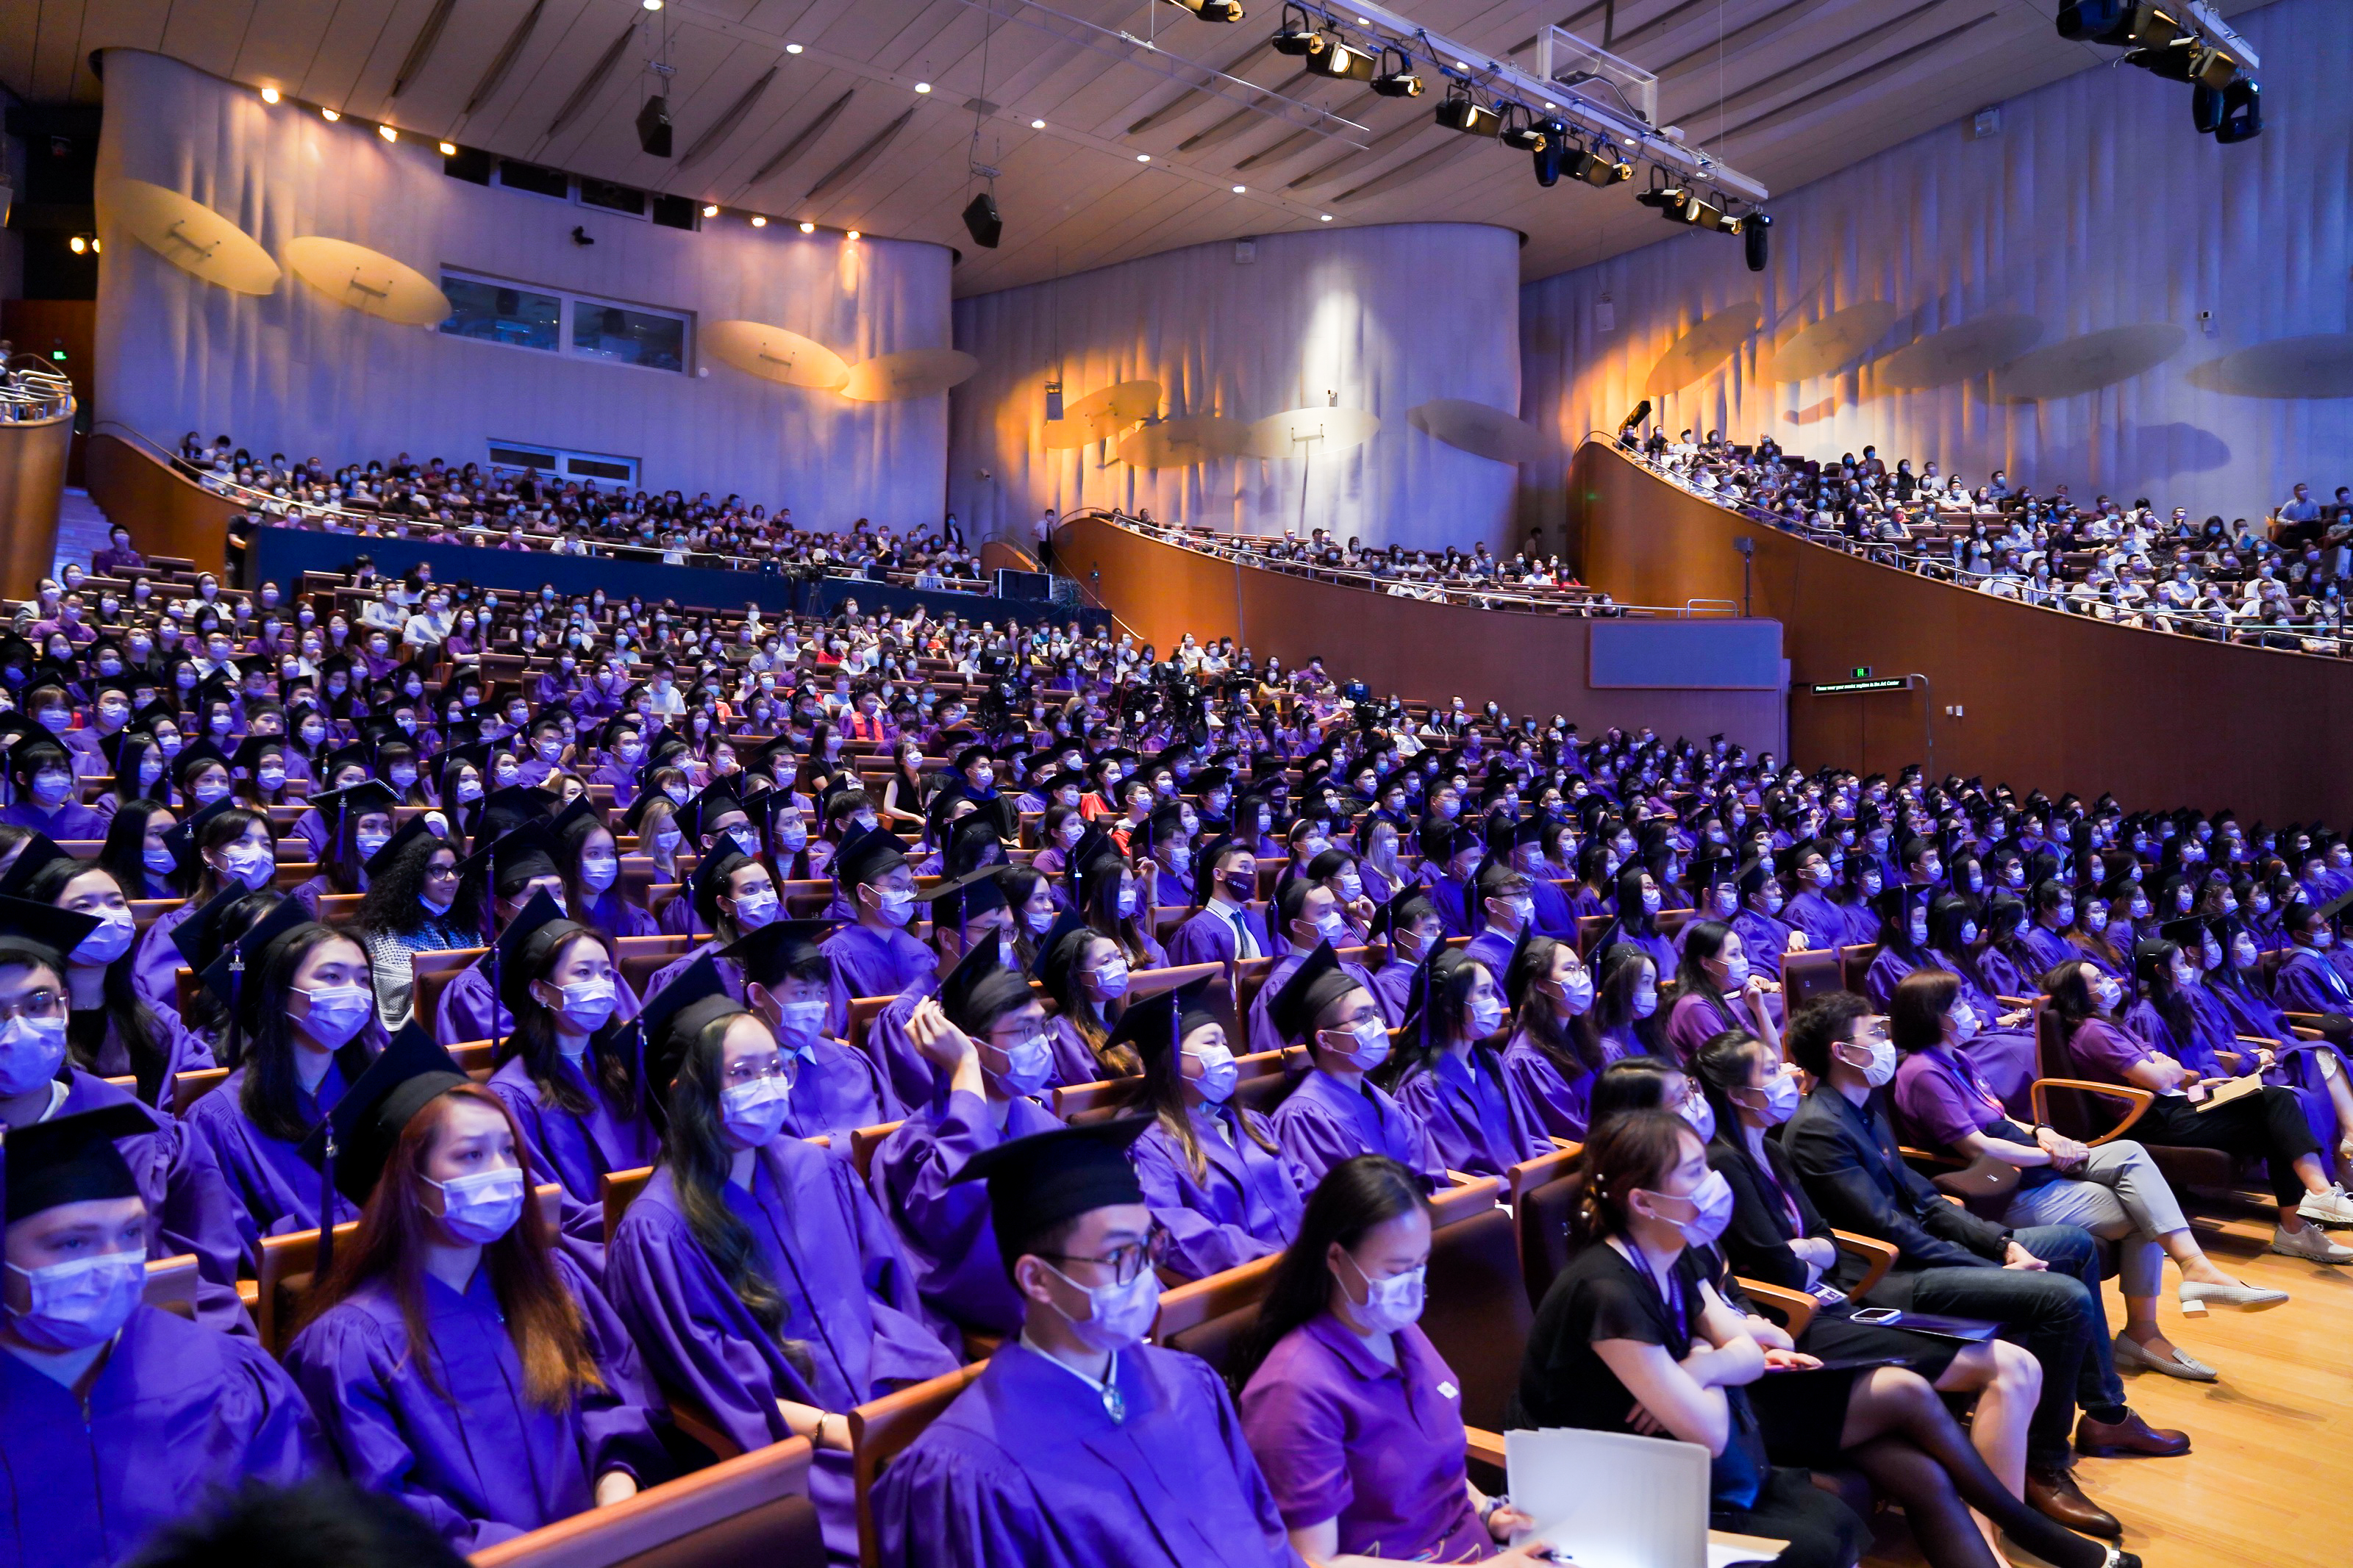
[[1613, 1499]]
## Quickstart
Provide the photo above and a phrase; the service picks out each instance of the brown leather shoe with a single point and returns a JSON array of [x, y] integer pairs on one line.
[[2104, 1439], [2052, 1493]]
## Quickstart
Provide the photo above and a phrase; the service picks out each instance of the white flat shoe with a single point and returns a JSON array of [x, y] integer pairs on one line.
[[2131, 1353], [2196, 1297], [2312, 1243]]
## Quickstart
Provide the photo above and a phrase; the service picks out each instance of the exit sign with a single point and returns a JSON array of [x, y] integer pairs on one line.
[[1863, 672]]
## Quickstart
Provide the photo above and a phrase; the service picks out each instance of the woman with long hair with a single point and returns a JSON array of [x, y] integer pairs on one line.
[[1115, 903], [1213, 1174], [1554, 1051], [310, 1031], [410, 906], [142, 772], [2230, 981], [456, 1358], [566, 1070], [1087, 975], [755, 1271], [1626, 1002], [1365, 1465], [110, 1031], [1715, 989], [359, 824], [590, 858], [228, 846], [138, 850], [1450, 1078], [1640, 896]]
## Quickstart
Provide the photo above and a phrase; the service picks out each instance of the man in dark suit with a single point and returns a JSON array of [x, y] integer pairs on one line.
[[2041, 1282], [1226, 928]]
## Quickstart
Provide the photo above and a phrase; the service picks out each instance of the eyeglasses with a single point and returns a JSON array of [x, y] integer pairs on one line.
[[1124, 1262], [41, 1003]]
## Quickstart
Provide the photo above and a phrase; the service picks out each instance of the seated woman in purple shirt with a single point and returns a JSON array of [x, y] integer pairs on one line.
[[2268, 1123], [1554, 1050], [586, 854], [1333, 1115], [2115, 1190], [1355, 1418], [1213, 1175], [1453, 1082], [1714, 990]]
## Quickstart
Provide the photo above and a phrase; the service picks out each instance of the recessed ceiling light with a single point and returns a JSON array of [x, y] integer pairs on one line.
[[268, 95], [808, 229], [923, 86], [653, 4], [710, 212], [1037, 125], [329, 115], [759, 222], [792, 48], [1239, 189], [1143, 157], [387, 132], [448, 149], [852, 235], [1325, 217]]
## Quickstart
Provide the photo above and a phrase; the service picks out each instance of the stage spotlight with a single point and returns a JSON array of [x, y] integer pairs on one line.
[[1518, 132], [77, 244], [1462, 113], [1599, 166], [2205, 109], [1297, 37], [1554, 155], [653, 128], [448, 149], [1399, 81], [329, 115], [710, 210], [1752, 236], [1212, 10], [759, 222], [387, 132], [806, 228], [1642, 411], [1342, 61], [1667, 198], [982, 221], [2243, 111]]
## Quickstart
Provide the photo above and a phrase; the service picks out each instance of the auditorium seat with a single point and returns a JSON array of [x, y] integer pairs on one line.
[[192, 1086], [1476, 1310], [620, 1189], [2096, 1113], [1210, 1318], [172, 1284], [432, 972], [750, 1511], [1806, 975], [864, 1140], [881, 1430], [1541, 1218]]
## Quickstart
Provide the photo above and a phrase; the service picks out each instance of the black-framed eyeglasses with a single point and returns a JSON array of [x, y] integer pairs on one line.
[[1124, 1262]]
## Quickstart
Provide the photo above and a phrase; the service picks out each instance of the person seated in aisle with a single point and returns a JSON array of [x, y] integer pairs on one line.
[[2266, 1123], [532, 1406], [1216, 1179], [1307, 917], [985, 1035], [1354, 1416], [1079, 1444], [754, 1271], [2039, 1283], [1225, 928], [115, 1416], [1449, 1078], [1334, 1113]]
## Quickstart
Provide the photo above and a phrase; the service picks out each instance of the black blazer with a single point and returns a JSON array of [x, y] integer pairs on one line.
[[1848, 1161], [1757, 1243]]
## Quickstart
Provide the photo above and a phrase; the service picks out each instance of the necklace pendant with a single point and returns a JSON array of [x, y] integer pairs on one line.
[[1114, 1403]]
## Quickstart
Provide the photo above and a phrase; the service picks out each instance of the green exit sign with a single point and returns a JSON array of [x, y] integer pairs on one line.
[[1863, 672], [57, 353]]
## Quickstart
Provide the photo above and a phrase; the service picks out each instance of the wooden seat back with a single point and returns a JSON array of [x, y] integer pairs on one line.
[[1476, 1310], [864, 1140], [881, 1430], [1209, 1318], [431, 973], [620, 1189], [752, 1508], [172, 1285]]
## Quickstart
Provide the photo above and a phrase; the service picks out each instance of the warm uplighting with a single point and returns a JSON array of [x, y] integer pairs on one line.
[[807, 227], [77, 244], [268, 95], [852, 235], [759, 222], [711, 212], [329, 115], [448, 149], [387, 132]]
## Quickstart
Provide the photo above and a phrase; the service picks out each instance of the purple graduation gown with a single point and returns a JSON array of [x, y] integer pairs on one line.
[[156, 962], [1821, 920], [176, 1412], [1477, 1125], [577, 1150], [1763, 938], [1026, 1470], [276, 1190], [2308, 983], [479, 1460], [1447, 896], [913, 1077], [1263, 1034], [1209, 938], [867, 962], [1245, 1203], [189, 1209], [849, 1296], [1073, 1062], [1322, 1122], [1560, 1106], [731, 973], [1491, 951], [2008, 1060], [944, 1223], [839, 1088], [470, 1010], [2218, 1018]]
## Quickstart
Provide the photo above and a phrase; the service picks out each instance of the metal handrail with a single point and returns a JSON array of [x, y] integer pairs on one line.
[[1884, 553], [32, 389]]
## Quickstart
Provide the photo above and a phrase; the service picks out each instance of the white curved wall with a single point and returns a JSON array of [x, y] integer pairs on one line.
[[292, 370], [1387, 317], [2096, 206]]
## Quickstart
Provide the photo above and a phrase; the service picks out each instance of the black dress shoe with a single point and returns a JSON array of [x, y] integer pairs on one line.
[[2052, 1493]]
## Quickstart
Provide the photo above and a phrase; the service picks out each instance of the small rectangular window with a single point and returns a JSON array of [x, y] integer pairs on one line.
[[613, 197], [646, 338], [517, 176], [502, 313]]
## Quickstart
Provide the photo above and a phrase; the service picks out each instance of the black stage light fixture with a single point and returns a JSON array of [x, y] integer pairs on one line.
[[1397, 80], [982, 222], [1342, 61], [1554, 155], [1519, 132], [653, 128], [1642, 411], [2205, 109], [1297, 37], [2243, 111], [1599, 166], [1212, 10], [1752, 235], [1462, 113]]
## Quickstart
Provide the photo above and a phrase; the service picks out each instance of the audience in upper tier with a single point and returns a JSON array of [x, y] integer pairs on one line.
[[744, 912]]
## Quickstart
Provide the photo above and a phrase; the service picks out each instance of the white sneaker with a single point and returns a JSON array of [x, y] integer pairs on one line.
[[2331, 1207], [2310, 1242]]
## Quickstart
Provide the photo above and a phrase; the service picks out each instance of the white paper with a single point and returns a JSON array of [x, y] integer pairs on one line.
[[1613, 1499]]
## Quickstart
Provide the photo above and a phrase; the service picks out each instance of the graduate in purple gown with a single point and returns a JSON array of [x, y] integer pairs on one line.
[[1715, 989], [1333, 1113], [836, 1087], [1764, 933], [754, 1271], [1079, 1444], [1506, 908], [499, 880], [44, 796], [457, 1360], [875, 957], [1225, 928], [2042, 938], [1554, 1052], [733, 896], [305, 1014], [591, 864], [188, 1209], [1411, 931], [1086, 976], [1307, 916], [1640, 898], [1903, 942], [566, 1070], [985, 1034], [1810, 907], [1451, 856], [1479, 1120], [1216, 1179], [2002, 1050], [1354, 1416], [1115, 902], [116, 1417], [2307, 982], [228, 846], [2231, 981]]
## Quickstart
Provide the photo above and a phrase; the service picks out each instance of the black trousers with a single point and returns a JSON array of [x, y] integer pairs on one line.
[[1822, 1532], [2268, 1123]]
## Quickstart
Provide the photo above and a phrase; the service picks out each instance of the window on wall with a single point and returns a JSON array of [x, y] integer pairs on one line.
[[491, 310]]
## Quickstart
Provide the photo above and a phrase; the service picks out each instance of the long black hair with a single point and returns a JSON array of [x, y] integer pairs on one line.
[[1354, 1196], [272, 1089], [125, 850], [534, 1035], [122, 1010], [695, 1149], [1573, 1046], [1703, 941]]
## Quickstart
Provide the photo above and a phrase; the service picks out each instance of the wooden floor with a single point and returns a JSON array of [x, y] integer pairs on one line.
[[2269, 1478]]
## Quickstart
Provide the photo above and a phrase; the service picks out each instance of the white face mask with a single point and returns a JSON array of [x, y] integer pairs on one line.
[[82, 1302], [1117, 1315], [798, 1024], [1028, 1065], [1781, 1093], [481, 1207], [249, 864], [1881, 1069], [336, 1012], [756, 909], [1110, 983], [753, 1113], [110, 941], [31, 1051], [1391, 1304], [1218, 1073], [161, 861], [895, 905], [588, 1003], [367, 844], [1487, 1017], [1370, 1041]]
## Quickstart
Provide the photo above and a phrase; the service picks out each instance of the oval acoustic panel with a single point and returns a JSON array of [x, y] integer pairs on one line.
[[1478, 429], [773, 353], [2320, 366], [1956, 354], [1310, 432], [1708, 344], [191, 237], [1834, 342], [367, 280], [2076, 365], [909, 373]]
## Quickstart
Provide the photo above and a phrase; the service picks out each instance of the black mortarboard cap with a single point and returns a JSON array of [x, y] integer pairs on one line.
[[406, 834], [44, 928], [70, 1160], [542, 910], [38, 851], [697, 815], [959, 899], [1039, 1182], [769, 953], [980, 986], [368, 1121], [867, 855], [243, 956], [1315, 984]]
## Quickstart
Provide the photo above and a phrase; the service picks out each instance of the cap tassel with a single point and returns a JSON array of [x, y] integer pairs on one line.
[[326, 1210]]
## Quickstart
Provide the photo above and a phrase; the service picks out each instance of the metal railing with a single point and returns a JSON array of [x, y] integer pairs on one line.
[[32, 389], [2319, 639]]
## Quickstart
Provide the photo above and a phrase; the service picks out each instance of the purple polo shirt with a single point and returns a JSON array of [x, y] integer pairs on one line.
[[1340, 1434], [1942, 1099], [2103, 1051]]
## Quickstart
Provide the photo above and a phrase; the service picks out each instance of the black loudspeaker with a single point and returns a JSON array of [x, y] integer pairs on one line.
[[2206, 109], [2243, 111], [981, 220], [1642, 411], [653, 128], [1753, 230], [2094, 21]]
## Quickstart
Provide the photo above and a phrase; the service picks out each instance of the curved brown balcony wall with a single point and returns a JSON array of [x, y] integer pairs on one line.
[[2047, 700], [1539, 664], [167, 513]]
